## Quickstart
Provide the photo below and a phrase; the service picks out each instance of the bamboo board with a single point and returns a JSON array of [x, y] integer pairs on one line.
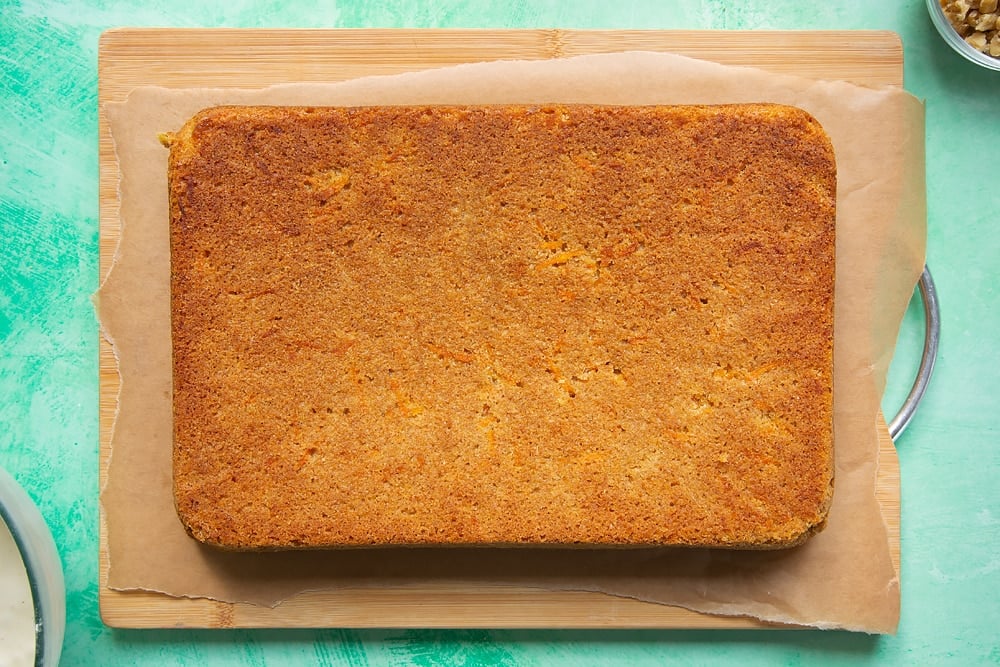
[[181, 58]]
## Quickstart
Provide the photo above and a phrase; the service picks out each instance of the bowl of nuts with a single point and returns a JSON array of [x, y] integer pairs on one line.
[[971, 27]]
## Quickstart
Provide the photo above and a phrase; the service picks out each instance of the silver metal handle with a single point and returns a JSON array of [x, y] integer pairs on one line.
[[932, 337]]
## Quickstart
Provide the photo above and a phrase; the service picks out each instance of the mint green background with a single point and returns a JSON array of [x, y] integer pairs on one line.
[[48, 354]]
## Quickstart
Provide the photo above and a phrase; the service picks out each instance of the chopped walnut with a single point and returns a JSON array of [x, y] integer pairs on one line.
[[977, 22], [986, 22], [977, 40]]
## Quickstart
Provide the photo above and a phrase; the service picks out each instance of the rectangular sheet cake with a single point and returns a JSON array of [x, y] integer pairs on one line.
[[553, 325]]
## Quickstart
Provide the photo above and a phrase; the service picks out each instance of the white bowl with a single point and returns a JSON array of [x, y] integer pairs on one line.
[[954, 41], [30, 538]]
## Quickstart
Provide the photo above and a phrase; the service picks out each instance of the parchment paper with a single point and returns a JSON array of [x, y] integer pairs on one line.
[[841, 578]]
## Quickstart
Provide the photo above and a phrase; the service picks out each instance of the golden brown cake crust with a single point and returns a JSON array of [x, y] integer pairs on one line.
[[502, 325]]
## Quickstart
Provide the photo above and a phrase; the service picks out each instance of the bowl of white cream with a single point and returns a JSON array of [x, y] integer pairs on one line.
[[32, 590]]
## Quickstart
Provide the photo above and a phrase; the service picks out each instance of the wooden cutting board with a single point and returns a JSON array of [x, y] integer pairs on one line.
[[236, 58]]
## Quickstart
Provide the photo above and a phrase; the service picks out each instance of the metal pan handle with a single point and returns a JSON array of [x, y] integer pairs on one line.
[[932, 336]]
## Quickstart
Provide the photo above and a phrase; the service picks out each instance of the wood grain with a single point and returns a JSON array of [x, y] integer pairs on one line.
[[179, 58]]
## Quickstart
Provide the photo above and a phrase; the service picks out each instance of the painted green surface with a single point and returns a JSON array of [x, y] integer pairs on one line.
[[950, 456]]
